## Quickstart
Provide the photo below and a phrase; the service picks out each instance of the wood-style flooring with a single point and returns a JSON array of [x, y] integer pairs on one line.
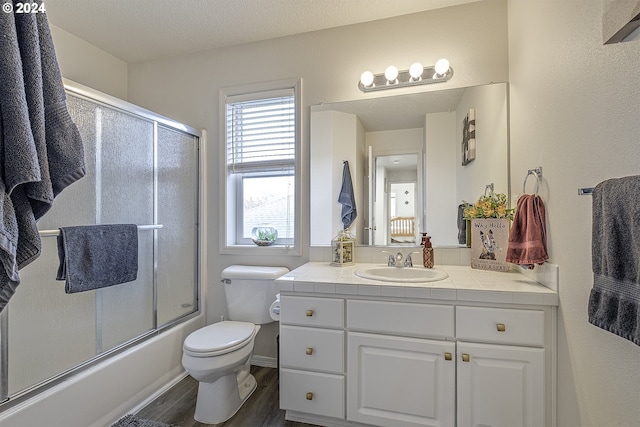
[[177, 405]]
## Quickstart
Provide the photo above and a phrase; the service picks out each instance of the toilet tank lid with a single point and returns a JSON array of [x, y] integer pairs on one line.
[[253, 272]]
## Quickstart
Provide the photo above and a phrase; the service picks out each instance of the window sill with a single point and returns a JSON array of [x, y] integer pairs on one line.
[[273, 250]]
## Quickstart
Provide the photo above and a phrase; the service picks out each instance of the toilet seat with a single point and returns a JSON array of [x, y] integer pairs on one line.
[[219, 338]]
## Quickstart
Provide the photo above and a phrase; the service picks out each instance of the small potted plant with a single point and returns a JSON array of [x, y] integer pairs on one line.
[[264, 235]]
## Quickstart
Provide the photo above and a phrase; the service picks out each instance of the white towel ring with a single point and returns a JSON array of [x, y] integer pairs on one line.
[[537, 172]]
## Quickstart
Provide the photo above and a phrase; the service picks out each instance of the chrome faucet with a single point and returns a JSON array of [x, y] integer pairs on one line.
[[396, 260], [399, 257], [408, 262], [392, 259]]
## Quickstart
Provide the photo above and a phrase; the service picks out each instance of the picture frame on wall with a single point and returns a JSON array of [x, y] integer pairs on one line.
[[469, 137]]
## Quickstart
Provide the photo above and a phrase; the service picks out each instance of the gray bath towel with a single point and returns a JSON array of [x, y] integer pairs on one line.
[[97, 256], [614, 303], [462, 224], [347, 198], [41, 151]]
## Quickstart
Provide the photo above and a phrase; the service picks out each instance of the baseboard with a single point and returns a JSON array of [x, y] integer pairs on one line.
[[264, 361], [158, 393], [320, 420]]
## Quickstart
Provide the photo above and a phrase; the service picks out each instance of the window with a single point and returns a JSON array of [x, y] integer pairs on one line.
[[261, 139]]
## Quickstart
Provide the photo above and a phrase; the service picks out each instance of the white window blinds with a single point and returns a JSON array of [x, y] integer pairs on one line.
[[261, 132]]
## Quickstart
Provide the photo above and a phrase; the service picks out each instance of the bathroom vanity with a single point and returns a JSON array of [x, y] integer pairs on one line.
[[476, 348]]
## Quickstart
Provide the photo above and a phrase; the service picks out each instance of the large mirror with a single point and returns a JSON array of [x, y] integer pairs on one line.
[[414, 159]]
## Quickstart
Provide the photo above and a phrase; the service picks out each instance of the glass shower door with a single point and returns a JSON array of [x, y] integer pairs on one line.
[[125, 196], [178, 213], [50, 332]]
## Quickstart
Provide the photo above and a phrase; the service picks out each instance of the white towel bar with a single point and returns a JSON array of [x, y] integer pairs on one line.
[[50, 233]]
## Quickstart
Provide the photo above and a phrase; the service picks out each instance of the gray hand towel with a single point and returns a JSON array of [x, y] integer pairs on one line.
[[614, 303], [97, 256], [347, 198], [462, 224]]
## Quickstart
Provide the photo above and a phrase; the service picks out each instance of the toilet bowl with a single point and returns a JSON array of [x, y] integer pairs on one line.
[[219, 355]]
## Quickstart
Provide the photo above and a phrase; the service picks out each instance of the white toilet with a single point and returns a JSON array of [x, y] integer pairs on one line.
[[219, 355]]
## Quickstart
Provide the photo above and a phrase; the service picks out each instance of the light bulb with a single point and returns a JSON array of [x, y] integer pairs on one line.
[[391, 73], [366, 78], [441, 67], [416, 70]]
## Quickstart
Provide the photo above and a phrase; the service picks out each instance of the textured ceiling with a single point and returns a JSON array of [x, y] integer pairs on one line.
[[139, 30]]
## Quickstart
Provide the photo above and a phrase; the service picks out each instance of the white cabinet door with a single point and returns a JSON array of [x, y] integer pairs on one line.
[[500, 386], [397, 381]]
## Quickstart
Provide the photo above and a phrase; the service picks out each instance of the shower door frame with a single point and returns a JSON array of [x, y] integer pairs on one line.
[[92, 95]]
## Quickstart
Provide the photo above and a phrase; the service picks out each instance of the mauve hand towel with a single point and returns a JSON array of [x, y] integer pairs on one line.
[[528, 236], [97, 256], [614, 302]]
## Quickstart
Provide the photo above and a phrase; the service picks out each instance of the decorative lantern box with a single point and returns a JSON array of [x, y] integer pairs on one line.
[[343, 249], [489, 240]]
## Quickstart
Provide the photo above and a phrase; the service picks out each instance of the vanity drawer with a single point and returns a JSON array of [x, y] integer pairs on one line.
[[500, 325], [309, 348], [309, 311], [313, 393], [400, 318]]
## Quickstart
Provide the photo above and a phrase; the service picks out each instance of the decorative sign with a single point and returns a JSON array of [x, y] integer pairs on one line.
[[489, 239]]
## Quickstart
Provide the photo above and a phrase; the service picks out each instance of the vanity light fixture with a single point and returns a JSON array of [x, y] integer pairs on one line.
[[415, 75]]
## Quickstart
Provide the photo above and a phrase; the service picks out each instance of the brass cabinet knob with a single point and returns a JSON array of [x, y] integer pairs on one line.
[[501, 327], [448, 356], [309, 351], [465, 357], [309, 313], [309, 396]]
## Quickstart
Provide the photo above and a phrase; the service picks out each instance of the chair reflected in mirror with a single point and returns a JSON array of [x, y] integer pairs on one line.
[[402, 229]]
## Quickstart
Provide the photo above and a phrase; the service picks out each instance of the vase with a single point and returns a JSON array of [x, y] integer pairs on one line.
[[264, 235], [489, 240]]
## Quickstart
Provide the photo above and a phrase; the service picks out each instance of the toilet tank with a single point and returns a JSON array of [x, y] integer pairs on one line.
[[250, 290]]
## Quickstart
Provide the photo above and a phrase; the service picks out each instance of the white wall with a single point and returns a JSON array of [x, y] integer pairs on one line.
[[86, 64], [441, 149], [575, 111], [492, 153], [473, 37], [337, 134]]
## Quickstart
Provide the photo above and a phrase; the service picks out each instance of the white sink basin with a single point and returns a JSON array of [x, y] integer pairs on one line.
[[401, 274]]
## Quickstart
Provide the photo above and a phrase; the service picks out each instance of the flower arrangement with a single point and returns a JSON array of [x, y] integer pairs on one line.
[[491, 206]]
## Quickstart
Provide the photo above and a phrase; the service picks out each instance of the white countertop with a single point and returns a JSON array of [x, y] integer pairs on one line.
[[463, 284]]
